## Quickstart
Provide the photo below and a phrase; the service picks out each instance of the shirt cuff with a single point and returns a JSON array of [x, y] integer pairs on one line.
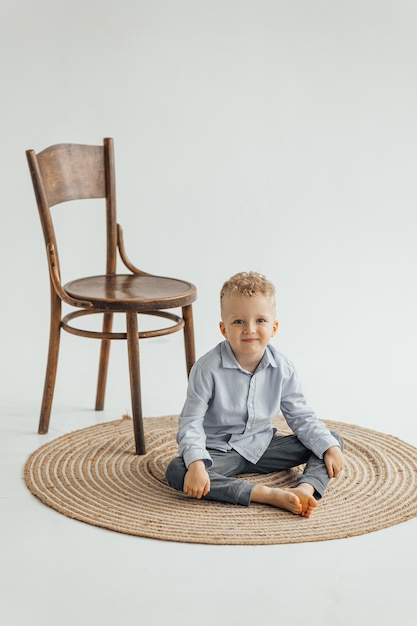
[[197, 454], [327, 442]]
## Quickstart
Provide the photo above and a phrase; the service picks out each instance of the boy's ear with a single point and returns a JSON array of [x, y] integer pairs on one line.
[[223, 329], [275, 328]]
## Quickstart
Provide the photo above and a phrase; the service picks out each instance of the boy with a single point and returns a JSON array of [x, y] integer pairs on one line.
[[233, 392]]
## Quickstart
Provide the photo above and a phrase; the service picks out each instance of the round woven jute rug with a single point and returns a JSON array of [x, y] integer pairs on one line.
[[93, 475]]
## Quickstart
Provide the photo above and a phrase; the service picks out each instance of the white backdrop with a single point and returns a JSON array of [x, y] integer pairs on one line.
[[272, 135]]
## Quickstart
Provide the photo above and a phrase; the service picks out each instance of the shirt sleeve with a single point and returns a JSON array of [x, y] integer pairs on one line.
[[301, 418], [191, 437]]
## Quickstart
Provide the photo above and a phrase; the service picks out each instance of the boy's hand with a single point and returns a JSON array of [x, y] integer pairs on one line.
[[334, 461], [197, 481]]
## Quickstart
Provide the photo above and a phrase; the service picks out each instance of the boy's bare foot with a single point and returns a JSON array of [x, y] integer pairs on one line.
[[281, 498], [304, 492]]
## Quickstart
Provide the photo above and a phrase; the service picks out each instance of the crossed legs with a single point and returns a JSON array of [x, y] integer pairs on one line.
[[282, 453]]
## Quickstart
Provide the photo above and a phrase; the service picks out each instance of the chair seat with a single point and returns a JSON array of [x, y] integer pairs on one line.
[[121, 292]]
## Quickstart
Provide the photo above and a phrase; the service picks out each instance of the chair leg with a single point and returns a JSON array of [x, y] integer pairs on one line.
[[134, 373], [52, 364], [187, 313], [104, 362]]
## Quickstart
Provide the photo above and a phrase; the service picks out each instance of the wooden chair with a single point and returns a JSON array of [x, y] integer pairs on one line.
[[66, 172]]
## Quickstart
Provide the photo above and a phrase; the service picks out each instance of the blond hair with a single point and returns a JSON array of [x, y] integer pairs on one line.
[[248, 284]]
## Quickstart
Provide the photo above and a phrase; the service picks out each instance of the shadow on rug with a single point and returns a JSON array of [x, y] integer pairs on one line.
[[93, 475]]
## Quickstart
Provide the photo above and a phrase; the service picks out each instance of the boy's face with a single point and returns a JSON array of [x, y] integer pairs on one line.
[[248, 322]]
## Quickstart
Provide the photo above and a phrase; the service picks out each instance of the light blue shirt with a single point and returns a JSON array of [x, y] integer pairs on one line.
[[229, 408]]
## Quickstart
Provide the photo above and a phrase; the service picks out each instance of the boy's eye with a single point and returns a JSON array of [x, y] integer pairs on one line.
[[260, 320], [238, 322]]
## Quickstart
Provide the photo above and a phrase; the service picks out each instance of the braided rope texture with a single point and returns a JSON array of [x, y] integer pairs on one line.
[[93, 475]]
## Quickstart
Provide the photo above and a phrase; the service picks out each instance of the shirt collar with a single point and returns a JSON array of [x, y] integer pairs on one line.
[[229, 359]]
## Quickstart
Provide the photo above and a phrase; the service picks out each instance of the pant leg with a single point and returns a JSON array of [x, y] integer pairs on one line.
[[223, 486], [287, 451]]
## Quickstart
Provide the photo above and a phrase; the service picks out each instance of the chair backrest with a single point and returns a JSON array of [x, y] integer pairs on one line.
[[65, 172]]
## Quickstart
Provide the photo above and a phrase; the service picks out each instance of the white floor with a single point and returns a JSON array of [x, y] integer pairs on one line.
[[60, 572]]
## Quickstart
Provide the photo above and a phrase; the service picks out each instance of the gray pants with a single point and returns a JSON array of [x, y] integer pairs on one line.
[[284, 452]]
